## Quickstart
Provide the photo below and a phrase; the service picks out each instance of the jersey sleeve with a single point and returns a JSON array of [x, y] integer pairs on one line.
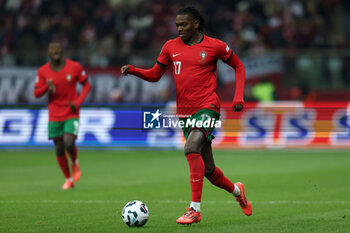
[[224, 52], [40, 86], [164, 59], [39, 79], [82, 76]]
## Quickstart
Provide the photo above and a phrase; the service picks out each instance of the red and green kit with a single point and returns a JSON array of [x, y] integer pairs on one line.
[[194, 69], [65, 82]]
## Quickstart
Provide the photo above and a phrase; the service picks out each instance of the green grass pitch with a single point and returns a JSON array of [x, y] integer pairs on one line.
[[291, 191]]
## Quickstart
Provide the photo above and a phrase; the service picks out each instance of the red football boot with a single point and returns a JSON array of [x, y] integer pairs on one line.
[[68, 184], [189, 217], [242, 200]]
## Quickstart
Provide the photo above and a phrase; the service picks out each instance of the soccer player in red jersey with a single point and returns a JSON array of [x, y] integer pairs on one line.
[[194, 57], [59, 78]]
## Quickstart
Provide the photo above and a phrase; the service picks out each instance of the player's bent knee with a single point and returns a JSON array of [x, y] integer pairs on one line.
[[208, 172], [191, 147], [59, 147], [69, 144], [59, 151]]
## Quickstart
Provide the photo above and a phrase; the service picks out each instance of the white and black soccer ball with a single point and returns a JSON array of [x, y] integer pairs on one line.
[[135, 213]]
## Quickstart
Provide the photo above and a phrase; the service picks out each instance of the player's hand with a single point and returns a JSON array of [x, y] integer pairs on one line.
[[52, 88], [237, 107], [125, 70], [72, 106]]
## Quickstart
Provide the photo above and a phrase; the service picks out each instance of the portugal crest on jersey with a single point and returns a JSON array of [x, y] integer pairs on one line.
[[203, 55], [69, 77]]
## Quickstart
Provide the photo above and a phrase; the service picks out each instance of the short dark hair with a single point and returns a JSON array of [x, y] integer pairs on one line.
[[190, 10]]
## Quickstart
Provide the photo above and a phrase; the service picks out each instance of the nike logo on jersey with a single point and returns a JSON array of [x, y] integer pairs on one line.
[[174, 55]]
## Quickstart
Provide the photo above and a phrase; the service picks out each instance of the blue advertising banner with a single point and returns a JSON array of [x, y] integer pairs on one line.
[[259, 125], [97, 127]]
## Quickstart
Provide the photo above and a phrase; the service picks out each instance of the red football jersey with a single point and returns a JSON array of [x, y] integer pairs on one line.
[[194, 69], [65, 82]]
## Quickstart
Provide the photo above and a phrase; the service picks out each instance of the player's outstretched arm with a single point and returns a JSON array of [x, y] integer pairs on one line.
[[236, 63], [125, 70], [150, 75]]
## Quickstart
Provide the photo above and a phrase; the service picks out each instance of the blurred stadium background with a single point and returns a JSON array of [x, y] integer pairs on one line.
[[296, 54]]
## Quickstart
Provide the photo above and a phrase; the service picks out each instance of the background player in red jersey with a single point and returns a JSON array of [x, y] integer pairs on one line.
[[59, 77], [194, 57]]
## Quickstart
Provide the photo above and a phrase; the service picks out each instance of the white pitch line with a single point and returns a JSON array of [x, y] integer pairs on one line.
[[285, 202]]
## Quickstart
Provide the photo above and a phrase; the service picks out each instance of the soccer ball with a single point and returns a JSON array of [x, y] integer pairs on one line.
[[135, 214]]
